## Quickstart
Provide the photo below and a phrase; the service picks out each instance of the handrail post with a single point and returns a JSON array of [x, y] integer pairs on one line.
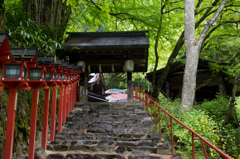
[[151, 113], [133, 95], [146, 103], [205, 152], [136, 91], [172, 136], [160, 131], [193, 150]]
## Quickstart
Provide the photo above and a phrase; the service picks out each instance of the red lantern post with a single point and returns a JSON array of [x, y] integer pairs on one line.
[[70, 86], [14, 77], [65, 82], [59, 68], [77, 71], [37, 74], [50, 80]]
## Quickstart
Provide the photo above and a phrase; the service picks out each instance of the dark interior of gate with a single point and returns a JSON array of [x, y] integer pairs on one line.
[[106, 52]]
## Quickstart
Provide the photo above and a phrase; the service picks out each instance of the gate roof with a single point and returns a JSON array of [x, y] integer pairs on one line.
[[108, 50]]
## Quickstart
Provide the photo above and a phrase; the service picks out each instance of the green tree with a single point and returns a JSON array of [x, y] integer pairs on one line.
[[193, 48]]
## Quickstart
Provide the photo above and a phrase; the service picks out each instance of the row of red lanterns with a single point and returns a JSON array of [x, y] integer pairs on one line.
[[23, 69]]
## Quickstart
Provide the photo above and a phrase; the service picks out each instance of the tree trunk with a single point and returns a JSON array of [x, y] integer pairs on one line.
[[189, 78], [2, 16], [51, 15], [192, 47], [231, 105]]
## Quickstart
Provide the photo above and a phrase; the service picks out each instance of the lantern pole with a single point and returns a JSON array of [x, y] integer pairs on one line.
[[53, 114], [33, 123], [60, 110], [65, 105], [68, 101], [45, 119], [10, 123], [14, 83]]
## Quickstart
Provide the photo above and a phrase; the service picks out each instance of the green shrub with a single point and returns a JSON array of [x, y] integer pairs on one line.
[[216, 108]]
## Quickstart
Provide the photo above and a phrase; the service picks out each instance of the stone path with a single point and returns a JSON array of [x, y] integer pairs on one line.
[[107, 131]]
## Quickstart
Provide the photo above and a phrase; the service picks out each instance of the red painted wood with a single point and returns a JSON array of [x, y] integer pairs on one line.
[[60, 110], [10, 124], [70, 98], [3, 71], [64, 105], [73, 97], [45, 119], [79, 93], [72, 94], [68, 101], [146, 104], [136, 93], [33, 123], [53, 115]]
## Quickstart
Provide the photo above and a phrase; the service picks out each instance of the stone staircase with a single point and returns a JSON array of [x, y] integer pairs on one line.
[[107, 131]]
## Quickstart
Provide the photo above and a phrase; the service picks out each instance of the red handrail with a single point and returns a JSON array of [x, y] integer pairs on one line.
[[199, 137]]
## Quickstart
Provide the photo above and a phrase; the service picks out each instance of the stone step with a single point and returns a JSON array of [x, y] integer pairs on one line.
[[80, 113], [98, 136], [107, 107], [108, 141], [110, 148], [82, 148], [107, 129], [101, 156], [86, 156], [110, 119]]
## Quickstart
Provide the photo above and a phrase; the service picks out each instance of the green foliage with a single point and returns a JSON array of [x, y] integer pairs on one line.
[[237, 136], [29, 34], [216, 108]]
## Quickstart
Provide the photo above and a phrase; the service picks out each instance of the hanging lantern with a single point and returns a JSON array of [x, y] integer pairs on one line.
[[81, 63], [129, 66]]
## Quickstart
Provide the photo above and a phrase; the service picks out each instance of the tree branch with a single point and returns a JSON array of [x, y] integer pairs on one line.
[[209, 23]]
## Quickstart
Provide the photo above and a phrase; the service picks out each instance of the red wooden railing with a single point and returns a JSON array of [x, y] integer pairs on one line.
[[145, 98]]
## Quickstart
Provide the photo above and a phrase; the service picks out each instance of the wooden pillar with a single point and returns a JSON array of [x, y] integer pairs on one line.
[[85, 91], [78, 91], [60, 110], [133, 96], [64, 105], [33, 123], [45, 119], [146, 103], [10, 123], [70, 98], [129, 85], [73, 95], [53, 115], [68, 102]]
